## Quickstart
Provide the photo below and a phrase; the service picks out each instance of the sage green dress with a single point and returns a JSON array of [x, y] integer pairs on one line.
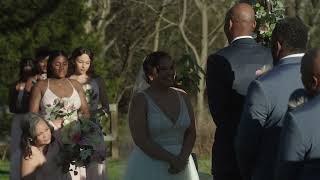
[[170, 137]]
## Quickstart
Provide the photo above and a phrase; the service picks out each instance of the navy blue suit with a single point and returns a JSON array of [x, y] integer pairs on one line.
[[259, 129], [299, 150], [229, 73]]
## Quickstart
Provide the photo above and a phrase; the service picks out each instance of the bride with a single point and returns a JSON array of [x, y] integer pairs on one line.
[[162, 125]]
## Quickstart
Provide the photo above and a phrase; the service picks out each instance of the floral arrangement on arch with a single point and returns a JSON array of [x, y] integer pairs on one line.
[[268, 13], [82, 143]]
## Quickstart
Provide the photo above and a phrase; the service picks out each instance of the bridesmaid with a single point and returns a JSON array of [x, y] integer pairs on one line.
[[82, 70], [57, 86], [41, 61], [57, 90], [39, 150], [18, 104]]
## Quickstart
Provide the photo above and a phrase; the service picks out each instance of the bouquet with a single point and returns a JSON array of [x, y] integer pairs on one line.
[[63, 109], [82, 143]]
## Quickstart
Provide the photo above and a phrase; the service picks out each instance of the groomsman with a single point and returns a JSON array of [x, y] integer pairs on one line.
[[229, 73], [267, 101], [299, 147]]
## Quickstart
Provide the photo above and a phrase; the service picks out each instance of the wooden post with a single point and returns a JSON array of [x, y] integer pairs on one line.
[[114, 131]]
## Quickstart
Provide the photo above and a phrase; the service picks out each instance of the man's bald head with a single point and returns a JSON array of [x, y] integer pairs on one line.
[[240, 21], [242, 12], [310, 71]]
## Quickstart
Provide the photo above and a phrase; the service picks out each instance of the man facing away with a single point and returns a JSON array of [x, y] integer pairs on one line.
[[267, 102], [299, 148], [229, 73]]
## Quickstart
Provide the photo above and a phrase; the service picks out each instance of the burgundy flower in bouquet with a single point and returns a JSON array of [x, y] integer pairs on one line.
[[82, 143]]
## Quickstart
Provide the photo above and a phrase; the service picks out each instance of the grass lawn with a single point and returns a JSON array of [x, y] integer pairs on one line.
[[115, 168]]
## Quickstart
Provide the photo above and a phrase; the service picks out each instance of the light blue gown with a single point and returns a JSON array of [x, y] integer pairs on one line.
[[170, 137]]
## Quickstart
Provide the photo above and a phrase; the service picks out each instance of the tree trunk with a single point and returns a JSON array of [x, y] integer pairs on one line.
[[203, 58], [157, 27], [290, 8], [200, 99]]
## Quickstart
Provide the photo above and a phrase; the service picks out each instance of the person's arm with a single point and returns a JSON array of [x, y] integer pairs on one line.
[[29, 167], [84, 105], [219, 80], [190, 134], [250, 129], [188, 141], [29, 83], [292, 150], [139, 130], [13, 93], [103, 95], [35, 98]]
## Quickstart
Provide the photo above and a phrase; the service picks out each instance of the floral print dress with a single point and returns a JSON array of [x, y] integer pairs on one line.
[[53, 107]]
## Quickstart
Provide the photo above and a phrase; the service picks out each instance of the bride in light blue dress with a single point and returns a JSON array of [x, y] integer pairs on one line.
[[162, 125]]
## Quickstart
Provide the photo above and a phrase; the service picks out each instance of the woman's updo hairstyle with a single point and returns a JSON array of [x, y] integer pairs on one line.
[[53, 55], [152, 61]]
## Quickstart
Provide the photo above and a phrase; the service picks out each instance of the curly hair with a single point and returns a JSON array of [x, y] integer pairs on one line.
[[293, 33]]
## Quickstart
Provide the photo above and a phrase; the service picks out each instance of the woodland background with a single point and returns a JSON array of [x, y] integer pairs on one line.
[[122, 32]]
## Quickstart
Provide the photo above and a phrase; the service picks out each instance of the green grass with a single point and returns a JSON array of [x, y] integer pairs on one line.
[[115, 168], [204, 164], [4, 170]]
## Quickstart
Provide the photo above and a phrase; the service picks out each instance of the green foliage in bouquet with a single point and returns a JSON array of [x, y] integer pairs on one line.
[[267, 16], [187, 74], [61, 109]]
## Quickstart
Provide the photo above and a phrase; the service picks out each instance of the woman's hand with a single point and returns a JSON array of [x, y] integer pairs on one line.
[[177, 165], [58, 123], [20, 86]]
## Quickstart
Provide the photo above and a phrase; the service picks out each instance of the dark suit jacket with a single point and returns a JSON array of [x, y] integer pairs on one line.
[[299, 150], [259, 130], [229, 72]]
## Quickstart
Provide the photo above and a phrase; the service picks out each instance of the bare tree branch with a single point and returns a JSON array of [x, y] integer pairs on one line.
[[181, 27], [199, 4], [108, 46], [215, 33], [106, 4], [157, 27], [147, 39], [119, 97], [157, 12], [316, 17]]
